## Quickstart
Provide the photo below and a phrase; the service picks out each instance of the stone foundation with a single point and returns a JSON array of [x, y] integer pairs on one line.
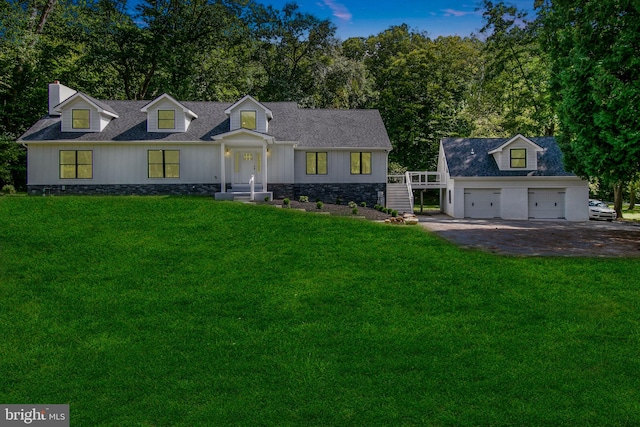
[[328, 193], [125, 189]]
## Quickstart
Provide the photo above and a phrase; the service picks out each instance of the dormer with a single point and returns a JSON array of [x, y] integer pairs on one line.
[[249, 114], [517, 154], [82, 113], [165, 114]]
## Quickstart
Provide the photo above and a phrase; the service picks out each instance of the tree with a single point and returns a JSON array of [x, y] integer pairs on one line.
[[595, 56], [422, 89], [290, 44], [512, 88], [12, 162]]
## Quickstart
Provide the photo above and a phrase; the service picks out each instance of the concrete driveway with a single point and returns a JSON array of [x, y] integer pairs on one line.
[[539, 238]]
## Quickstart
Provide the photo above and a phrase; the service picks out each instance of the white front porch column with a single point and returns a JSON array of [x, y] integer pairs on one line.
[[223, 183], [264, 167]]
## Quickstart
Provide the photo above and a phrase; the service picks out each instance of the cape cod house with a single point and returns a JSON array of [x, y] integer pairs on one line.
[[166, 146], [509, 178]]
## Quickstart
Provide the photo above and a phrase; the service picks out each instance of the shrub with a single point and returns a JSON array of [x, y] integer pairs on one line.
[[8, 189], [339, 200], [363, 204], [286, 202], [267, 198], [354, 211], [352, 205], [319, 204], [304, 199], [394, 213]]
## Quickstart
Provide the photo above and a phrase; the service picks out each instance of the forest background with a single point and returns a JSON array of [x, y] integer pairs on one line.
[[509, 78]]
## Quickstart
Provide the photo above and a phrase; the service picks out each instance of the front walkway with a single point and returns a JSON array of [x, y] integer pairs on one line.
[[539, 238]]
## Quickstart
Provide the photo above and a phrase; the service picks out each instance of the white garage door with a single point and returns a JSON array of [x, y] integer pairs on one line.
[[546, 203], [482, 203]]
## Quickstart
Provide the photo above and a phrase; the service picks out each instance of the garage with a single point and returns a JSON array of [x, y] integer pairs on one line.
[[545, 203], [482, 203]]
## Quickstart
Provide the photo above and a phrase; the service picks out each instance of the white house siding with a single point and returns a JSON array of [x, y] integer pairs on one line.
[[123, 164], [80, 103], [181, 122], [280, 158], [248, 105], [339, 167], [504, 158], [514, 195]]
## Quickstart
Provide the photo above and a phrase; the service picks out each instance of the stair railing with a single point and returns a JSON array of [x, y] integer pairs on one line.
[[407, 180]]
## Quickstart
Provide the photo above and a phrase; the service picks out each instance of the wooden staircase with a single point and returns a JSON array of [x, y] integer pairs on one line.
[[400, 188], [399, 198]]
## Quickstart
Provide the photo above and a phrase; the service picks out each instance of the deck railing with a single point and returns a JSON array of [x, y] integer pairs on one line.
[[418, 180]]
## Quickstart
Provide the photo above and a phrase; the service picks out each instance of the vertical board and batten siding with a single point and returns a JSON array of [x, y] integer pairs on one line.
[[339, 167], [181, 121], [248, 105], [80, 104], [124, 164], [503, 159], [280, 158]]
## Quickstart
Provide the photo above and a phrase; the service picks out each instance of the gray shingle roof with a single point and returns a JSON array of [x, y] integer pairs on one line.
[[462, 163], [310, 128]]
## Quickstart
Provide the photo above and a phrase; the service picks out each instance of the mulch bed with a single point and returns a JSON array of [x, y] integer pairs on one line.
[[340, 210]]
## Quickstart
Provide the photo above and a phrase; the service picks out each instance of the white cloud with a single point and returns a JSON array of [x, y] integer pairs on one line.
[[339, 10], [458, 13]]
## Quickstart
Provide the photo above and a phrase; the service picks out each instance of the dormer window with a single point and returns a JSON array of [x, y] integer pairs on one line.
[[81, 119], [248, 119], [518, 158], [166, 119]]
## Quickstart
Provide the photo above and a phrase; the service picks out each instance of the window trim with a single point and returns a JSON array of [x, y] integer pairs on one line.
[[73, 118], [75, 164], [255, 119], [164, 165], [315, 158], [361, 163], [167, 120], [512, 158]]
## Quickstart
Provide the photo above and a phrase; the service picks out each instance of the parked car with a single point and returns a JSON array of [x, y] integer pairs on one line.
[[599, 210]]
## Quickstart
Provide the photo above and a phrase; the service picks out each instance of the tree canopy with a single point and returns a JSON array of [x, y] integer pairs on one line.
[[496, 84]]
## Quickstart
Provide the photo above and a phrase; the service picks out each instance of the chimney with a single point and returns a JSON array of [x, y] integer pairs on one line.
[[58, 93]]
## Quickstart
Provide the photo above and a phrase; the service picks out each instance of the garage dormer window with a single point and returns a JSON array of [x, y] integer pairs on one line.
[[248, 119], [80, 119], [166, 119], [518, 158]]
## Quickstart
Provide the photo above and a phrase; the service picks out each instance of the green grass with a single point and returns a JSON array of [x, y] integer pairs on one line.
[[189, 312], [633, 214]]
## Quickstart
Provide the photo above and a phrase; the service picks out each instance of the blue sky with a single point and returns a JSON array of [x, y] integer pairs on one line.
[[362, 18]]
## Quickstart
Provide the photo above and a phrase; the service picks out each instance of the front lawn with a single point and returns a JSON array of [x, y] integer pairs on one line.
[[160, 311]]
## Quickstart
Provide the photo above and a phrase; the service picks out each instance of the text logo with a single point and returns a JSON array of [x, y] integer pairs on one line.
[[34, 415]]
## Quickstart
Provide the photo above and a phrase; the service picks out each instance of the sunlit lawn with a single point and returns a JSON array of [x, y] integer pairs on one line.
[[189, 312]]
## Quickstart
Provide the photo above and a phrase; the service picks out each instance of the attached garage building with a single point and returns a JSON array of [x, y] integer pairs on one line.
[[517, 178]]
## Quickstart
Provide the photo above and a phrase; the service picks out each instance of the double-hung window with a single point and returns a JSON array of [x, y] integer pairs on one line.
[[164, 163], [80, 119], [316, 163], [518, 158], [76, 164], [166, 119], [361, 163]]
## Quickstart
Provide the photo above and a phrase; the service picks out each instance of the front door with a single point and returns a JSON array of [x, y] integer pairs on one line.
[[247, 163]]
